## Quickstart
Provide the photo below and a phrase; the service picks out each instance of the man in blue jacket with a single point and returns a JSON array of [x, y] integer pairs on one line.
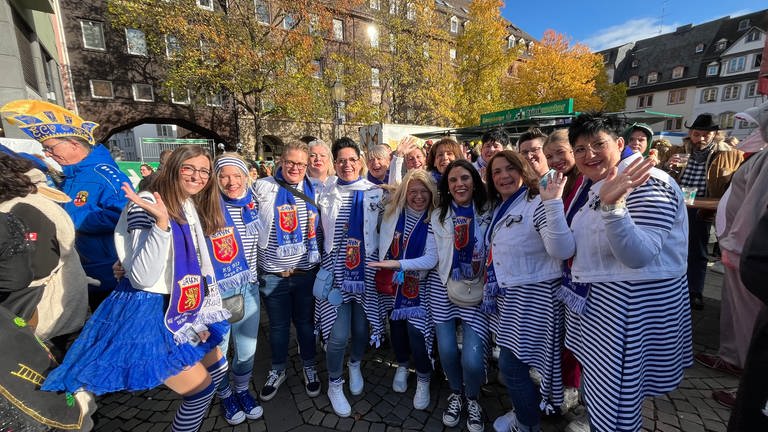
[[91, 178]]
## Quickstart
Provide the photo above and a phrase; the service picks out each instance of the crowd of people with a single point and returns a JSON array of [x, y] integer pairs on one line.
[[572, 252]]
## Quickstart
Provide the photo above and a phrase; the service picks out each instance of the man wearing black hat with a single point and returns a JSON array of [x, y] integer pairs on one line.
[[710, 165]]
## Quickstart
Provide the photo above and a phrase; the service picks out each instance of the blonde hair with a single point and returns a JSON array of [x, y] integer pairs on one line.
[[557, 137], [397, 202]]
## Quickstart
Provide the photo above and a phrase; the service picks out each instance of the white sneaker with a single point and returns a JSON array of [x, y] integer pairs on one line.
[[579, 424], [356, 382], [421, 397], [400, 382], [505, 422], [338, 400], [570, 399]]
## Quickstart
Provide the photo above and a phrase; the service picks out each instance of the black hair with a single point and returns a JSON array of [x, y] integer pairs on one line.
[[497, 134], [590, 124], [530, 134], [14, 181], [479, 195], [342, 143]]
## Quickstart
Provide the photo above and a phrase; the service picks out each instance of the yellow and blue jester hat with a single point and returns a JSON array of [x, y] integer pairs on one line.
[[42, 120]]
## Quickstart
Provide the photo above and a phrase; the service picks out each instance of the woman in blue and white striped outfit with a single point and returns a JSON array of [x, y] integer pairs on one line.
[[462, 210], [407, 244], [350, 213], [527, 241], [628, 319], [233, 253]]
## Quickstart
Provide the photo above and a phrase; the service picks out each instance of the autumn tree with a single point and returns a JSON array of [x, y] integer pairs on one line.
[[484, 62], [400, 70], [613, 96], [557, 70], [264, 54]]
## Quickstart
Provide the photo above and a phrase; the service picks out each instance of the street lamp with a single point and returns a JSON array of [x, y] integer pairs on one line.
[[339, 94]]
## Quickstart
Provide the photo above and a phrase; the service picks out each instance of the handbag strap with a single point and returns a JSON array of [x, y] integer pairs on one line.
[[297, 193]]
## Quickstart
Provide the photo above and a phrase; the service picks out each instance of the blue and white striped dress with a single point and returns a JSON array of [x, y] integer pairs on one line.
[[424, 323], [634, 338], [325, 313], [530, 322]]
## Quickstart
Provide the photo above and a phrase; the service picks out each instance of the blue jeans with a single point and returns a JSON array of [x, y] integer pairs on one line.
[[290, 300], [407, 340], [350, 320], [522, 391], [698, 239], [244, 334], [467, 371]]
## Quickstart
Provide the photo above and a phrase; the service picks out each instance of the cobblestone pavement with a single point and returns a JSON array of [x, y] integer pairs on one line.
[[690, 408]]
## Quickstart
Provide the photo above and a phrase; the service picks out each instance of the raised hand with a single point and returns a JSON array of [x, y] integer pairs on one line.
[[617, 186], [407, 143], [156, 209], [555, 185]]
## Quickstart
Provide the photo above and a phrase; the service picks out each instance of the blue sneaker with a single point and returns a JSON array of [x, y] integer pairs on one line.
[[250, 406], [233, 414]]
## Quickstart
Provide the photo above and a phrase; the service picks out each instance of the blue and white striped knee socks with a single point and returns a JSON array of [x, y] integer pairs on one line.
[[190, 415]]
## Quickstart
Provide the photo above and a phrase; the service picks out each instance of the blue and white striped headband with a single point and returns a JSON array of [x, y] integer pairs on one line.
[[230, 161]]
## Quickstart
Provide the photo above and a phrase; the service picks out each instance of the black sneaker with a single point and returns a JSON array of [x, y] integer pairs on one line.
[[452, 413], [311, 381], [274, 379], [475, 422]]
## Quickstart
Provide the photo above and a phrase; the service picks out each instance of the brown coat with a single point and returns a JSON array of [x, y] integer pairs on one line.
[[722, 162]]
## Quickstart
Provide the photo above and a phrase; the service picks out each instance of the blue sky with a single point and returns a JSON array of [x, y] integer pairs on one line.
[[603, 24]]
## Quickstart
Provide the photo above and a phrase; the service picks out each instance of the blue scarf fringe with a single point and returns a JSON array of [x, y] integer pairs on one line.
[[234, 282], [573, 301], [291, 250], [354, 287], [463, 272], [408, 313]]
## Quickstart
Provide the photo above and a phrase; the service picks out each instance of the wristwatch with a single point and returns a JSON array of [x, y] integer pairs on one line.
[[607, 208]]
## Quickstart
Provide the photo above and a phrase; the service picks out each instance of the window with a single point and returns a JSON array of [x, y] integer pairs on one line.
[[373, 35], [101, 89], [743, 124], [181, 97], [314, 25], [394, 7], [709, 95], [375, 77], [735, 65], [24, 40], [338, 29], [452, 54], [510, 42], [172, 47], [165, 130], [674, 124], [699, 48], [289, 21], [317, 68], [375, 4], [644, 101], [753, 35], [743, 24], [751, 90], [635, 63], [726, 120], [713, 69], [652, 77], [262, 11], [207, 53], [143, 93], [758, 60], [454, 24], [633, 80], [205, 4], [731, 92], [93, 35], [136, 42], [721, 44], [410, 11], [677, 72], [676, 97], [214, 100]]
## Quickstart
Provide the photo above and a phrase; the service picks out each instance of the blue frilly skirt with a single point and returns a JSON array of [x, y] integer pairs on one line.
[[126, 346]]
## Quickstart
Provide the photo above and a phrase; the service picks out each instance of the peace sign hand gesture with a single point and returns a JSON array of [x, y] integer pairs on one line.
[[156, 209]]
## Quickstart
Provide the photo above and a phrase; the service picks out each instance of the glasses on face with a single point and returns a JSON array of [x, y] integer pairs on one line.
[[291, 164], [580, 151], [530, 151], [351, 161], [189, 170], [49, 150]]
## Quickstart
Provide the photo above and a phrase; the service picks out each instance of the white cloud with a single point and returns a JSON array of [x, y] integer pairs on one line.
[[632, 30]]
